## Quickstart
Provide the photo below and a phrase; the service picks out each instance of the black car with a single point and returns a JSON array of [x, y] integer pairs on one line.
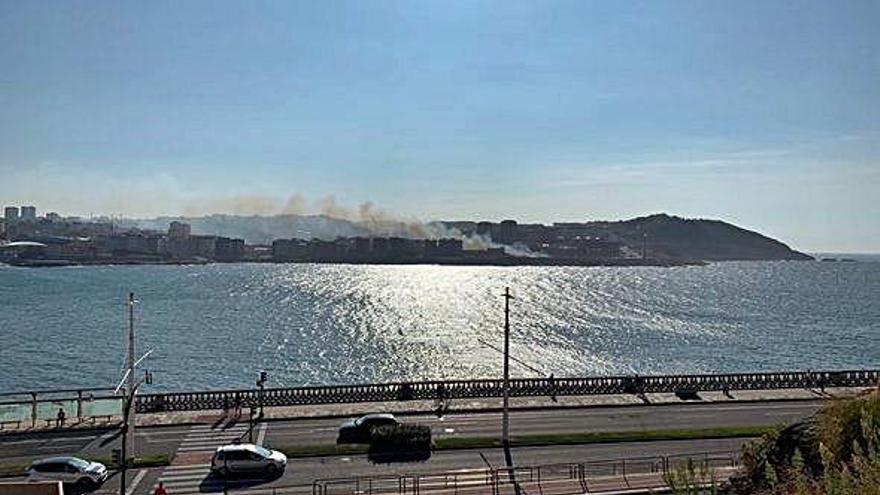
[[358, 430]]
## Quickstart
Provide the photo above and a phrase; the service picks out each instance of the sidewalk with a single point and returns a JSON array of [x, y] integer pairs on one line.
[[460, 406], [457, 406]]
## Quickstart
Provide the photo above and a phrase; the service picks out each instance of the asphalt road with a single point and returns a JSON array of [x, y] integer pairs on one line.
[[294, 432], [22, 448], [301, 473]]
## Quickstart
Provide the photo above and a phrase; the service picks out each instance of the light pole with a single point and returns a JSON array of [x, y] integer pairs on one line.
[[130, 366], [127, 426], [505, 418], [505, 414]]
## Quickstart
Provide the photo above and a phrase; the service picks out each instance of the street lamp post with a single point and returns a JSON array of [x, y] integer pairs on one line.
[[131, 365], [127, 426], [505, 419], [505, 415]]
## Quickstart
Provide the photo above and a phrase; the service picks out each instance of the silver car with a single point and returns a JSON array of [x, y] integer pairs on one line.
[[247, 458], [68, 470]]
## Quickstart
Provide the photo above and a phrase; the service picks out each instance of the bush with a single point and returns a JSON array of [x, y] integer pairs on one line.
[[837, 453], [400, 438]]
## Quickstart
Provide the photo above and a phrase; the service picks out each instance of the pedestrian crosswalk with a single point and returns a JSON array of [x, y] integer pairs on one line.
[[191, 472], [204, 438], [197, 478]]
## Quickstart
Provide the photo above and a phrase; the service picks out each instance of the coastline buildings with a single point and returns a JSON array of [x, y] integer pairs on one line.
[[53, 237], [572, 241], [369, 249]]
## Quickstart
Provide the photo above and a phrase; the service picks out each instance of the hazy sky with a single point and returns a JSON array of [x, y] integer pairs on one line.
[[765, 114]]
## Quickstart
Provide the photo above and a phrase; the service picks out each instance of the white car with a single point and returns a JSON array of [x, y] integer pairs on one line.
[[69, 470], [247, 458]]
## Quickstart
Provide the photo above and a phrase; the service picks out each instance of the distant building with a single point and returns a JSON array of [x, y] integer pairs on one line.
[[506, 232], [227, 249], [290, 250], [361, 246], [130, 244], [10, 214], [179, 230], [450, 247], [28, 214]]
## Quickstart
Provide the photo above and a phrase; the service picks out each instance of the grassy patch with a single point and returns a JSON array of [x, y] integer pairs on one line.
[[9, 470], [451, 443], [602, 437], [14, 470]]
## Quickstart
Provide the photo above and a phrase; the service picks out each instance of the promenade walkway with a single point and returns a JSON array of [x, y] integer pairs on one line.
[[450, 406], [516, 403]]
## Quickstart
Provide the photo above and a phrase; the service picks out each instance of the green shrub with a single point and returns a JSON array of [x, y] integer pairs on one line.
[[846, 426], [691, 478], [400, 438], [841, 458]]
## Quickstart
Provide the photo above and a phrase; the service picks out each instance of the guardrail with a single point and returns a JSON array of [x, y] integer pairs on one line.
[[578, 477], [44, 404], [492, 388], [37, 403]]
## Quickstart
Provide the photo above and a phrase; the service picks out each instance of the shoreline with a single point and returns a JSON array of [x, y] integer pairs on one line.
[[539, 262]]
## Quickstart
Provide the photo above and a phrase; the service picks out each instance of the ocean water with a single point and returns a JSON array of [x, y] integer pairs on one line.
[[217, 326]]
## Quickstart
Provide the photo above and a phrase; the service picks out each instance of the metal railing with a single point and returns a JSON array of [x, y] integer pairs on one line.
[[79, 405], [34, 405], [493, 388], [579, 477]]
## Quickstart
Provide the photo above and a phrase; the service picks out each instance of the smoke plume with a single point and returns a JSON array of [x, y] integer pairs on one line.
[[260, 219]]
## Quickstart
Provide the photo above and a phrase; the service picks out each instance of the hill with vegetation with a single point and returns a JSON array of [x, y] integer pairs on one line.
[[670, 237]]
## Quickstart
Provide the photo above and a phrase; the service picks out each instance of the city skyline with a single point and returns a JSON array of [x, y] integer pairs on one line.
[[762, 115]]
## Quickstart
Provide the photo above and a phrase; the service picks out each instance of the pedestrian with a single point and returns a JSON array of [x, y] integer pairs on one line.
[[160, 490], [59, 419], [237, 407]]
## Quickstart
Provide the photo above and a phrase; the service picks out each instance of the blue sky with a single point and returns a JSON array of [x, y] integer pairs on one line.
[[765, 114]]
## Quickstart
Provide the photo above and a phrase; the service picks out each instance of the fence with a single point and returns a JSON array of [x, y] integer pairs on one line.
[[42, 405], [95, 402], [560, 478], [492, 388]]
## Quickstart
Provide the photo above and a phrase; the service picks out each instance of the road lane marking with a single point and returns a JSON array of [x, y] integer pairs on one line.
[[134, 483], [261, 435]]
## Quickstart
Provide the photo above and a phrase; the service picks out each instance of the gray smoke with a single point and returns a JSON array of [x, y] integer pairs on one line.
[[262, 219]]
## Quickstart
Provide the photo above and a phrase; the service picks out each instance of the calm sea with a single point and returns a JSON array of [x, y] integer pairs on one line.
[[216, 326]]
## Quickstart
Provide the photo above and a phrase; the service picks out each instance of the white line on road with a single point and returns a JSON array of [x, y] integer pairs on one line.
[[261, 435], [134, 483]]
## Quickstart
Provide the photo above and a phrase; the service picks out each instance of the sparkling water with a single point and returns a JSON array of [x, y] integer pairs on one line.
[[216, 326]]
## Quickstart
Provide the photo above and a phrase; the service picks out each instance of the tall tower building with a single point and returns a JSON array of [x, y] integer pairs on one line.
[[10, 214], [179, 230], [28, 213]]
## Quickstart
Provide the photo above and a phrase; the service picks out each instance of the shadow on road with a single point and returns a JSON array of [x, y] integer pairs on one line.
[[214, 483], [379, 457]]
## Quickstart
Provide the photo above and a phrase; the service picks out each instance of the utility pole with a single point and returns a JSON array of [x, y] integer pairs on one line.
[[505, 419], [127, 425], [123, 458], [131, 380]]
